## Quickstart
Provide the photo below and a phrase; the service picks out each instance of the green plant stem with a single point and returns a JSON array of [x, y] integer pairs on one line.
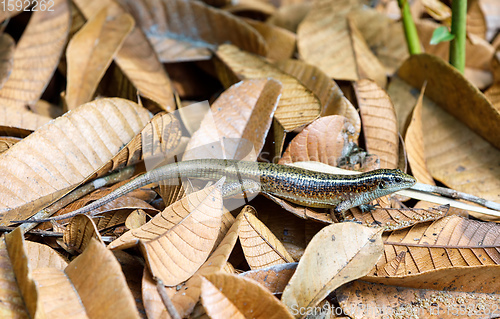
[[411, 34], [458, 28]]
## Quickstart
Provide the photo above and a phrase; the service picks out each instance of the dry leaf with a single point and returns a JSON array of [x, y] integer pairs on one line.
[[281, 42], [384, 36], [289, 16], [11, 117], [79, 233], [176, 36], [476, 23], [42, 256], [333, 101], [175, 250], [414, 141], [450, 90], [36, 56], [458, 157], [274, 278], [97, 277], [237, 123], [260, 246], [323, 141], [90, 53], [7, 49], [241, 294], [356, 248], [48, 162], [57, 294], [136, 219], [379, 122], [448, 242], [153, 304], [297, 105], [136, 58], [325, 21]]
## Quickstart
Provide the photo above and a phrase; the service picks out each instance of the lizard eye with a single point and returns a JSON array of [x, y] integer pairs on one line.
[[398, 179]]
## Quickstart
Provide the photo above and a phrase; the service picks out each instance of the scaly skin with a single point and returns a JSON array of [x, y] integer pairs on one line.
[[297, 185]]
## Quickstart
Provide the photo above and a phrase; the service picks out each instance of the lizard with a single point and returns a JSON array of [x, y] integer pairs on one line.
[[297, 185]]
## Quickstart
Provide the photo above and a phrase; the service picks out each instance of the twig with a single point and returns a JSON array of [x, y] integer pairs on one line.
[[38, 232], [448, 192], [166, 300], [77, 193]]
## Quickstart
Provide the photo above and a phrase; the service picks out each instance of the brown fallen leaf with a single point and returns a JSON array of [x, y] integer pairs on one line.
[[79, 233], [98, 279], [136, 58], [297, 106], [331, 97], [476, 22], [90, 52], [414, 141], [450, 90], [281, 42], [42, 256], [356, 249], [241, 295], [448, 242], [260, 246], [177, 37], [384, 36], [237, 123], [48, 162], [289, 16], [172, 248], [274, 278], [7, 49], [324, 140], [379, 122], [37, 55], [12, 118]]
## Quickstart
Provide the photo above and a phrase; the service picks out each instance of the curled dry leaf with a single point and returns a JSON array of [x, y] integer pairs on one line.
[[274, 278], [79, 233], [362, 299], [247, 296], [175, 250], [356, 249], [451, 241], [136, 219], [7, 49], [333, 101], [297, 106], [289, 16], [136, 58], [260, 246], [98, 279], [414, 141], [176, 36], [90, 52], [450, 90], [48, 162], [379, 122], [238, 122], [323, 141], [37, 55]]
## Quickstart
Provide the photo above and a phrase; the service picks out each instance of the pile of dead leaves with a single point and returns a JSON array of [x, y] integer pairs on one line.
[[93, 92]]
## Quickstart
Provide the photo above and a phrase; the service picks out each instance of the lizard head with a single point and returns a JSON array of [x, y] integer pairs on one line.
[[395, 181]]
